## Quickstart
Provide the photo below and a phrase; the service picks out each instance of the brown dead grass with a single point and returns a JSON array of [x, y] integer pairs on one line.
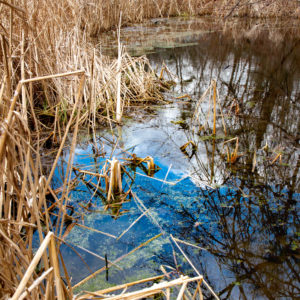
[[40, 38]]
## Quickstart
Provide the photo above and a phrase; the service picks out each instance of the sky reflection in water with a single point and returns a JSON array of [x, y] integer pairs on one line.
[[246, 218]]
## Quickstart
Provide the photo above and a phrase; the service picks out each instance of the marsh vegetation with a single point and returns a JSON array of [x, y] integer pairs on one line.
[[206, 170]]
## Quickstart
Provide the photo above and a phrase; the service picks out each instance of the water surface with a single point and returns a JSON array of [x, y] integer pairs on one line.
[[244, 215]]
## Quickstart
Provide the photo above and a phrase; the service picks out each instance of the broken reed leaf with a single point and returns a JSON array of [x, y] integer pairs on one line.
[[254, 162], [137, 161], [184, 96], [232, 157], [194, 146], [150, 165], [278, 156], [214, 85]]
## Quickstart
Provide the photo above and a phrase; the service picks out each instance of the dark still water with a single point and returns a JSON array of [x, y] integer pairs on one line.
[[233, 196]]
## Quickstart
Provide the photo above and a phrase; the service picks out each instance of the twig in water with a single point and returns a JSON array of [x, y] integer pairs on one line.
[[145, 212], [191, 264], [106, 265]]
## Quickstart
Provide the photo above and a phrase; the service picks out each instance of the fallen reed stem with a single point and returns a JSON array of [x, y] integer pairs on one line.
[[117, 260], [191, 264], [32, 266]]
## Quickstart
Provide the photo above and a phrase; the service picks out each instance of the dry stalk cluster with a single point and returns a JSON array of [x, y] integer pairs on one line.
[[96, 16], [164, 289], [208, 106], [114, 180], [30, 274], [208, 112], [24, 207], [39, 38]]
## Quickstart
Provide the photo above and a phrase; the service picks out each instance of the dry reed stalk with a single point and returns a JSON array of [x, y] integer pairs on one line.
[[189, 244], [24, 206], [279, 155], [118, 105], [214, 84], [198, 291], [119, 287], [184, 96], [32, 266], [5, 66], [195, 121], [141, 206], [222, 115], [166, 176], [182, 290], [90, 173], [8, 119], [24, 101], [55, 263], [254, 162], [96, 230], [156, 289], [35, 284], [198, 110], [115, 179], [132, 224], [233, 156], [69, 292], [195, 269], [163, 180]]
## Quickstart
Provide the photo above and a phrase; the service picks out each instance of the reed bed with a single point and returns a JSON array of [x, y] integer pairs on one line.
[[40, 38], [25, 222]]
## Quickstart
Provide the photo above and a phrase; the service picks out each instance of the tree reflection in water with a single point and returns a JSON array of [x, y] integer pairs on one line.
[[248, 219], [253, 228]]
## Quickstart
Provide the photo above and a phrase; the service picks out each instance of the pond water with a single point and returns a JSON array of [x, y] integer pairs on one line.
[[240, 218]]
